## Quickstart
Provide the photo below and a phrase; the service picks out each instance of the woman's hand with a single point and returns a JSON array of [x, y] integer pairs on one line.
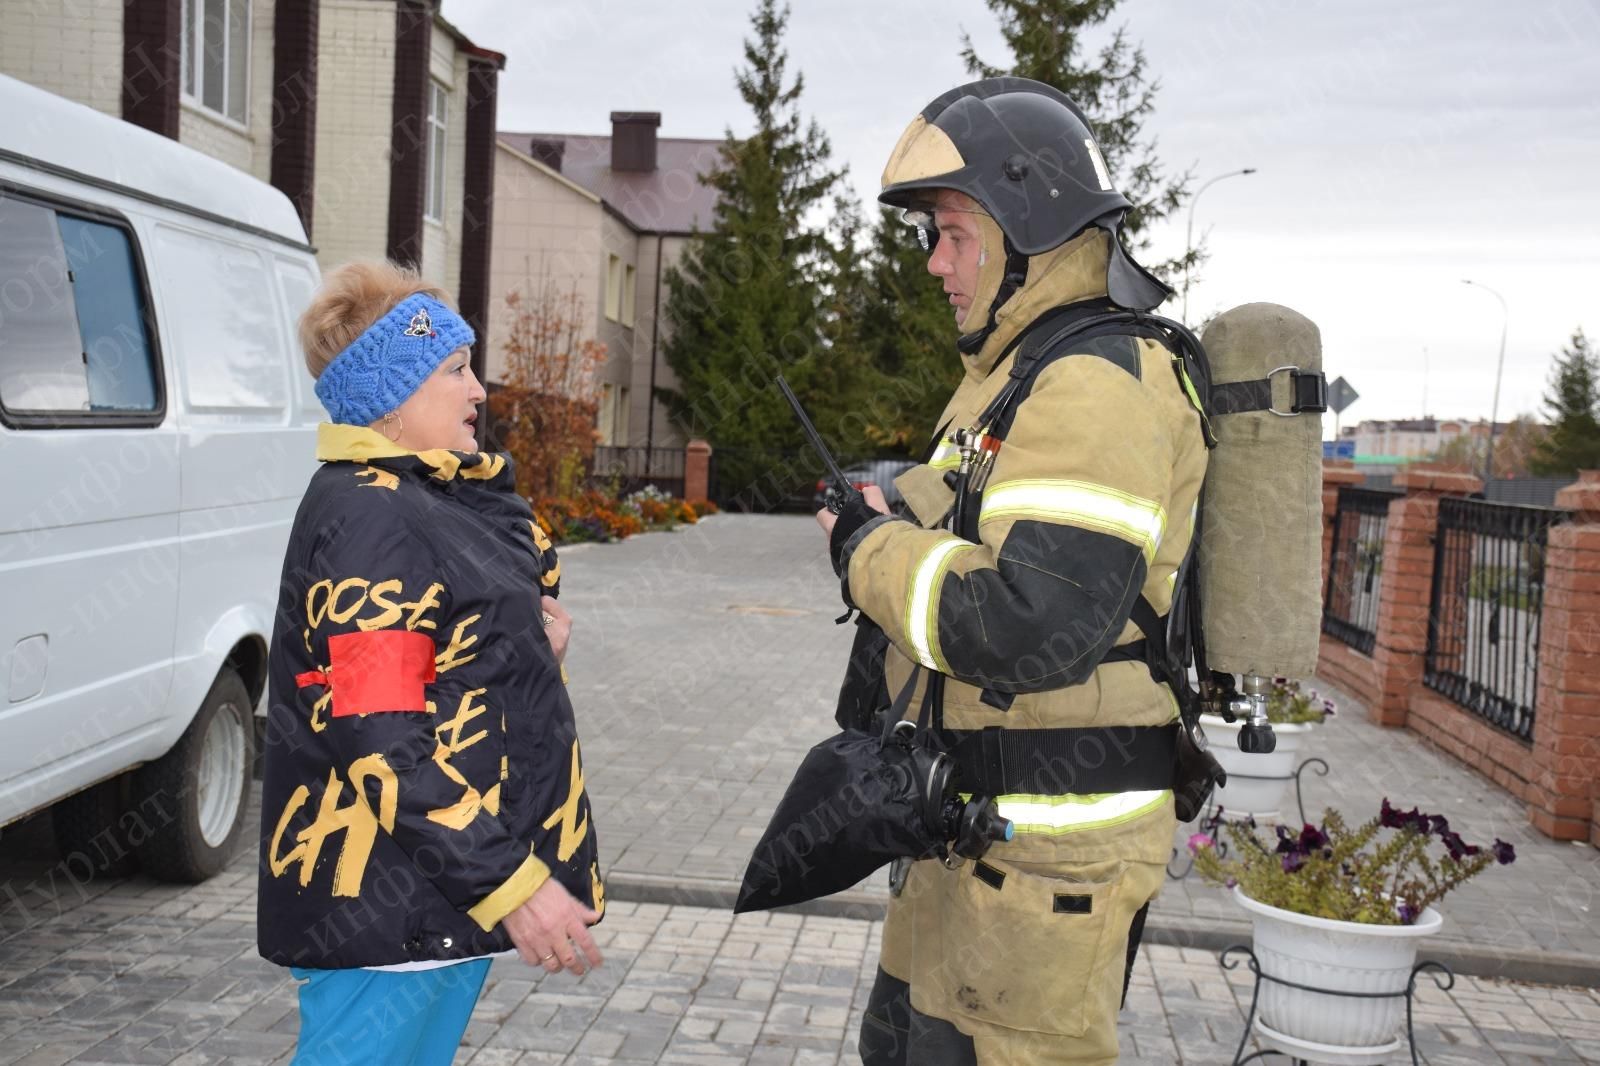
[[551, 930], [560, 630]]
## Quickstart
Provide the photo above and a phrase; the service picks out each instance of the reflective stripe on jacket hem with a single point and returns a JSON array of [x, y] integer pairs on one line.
[[1070, 814]]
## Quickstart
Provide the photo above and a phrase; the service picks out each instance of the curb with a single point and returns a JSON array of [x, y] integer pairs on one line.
[[1214, 934]]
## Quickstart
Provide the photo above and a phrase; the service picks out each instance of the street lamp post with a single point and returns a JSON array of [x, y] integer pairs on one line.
[[1500, 365], [1188, 244]]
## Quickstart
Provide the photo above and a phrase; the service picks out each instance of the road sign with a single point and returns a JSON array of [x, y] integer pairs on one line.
[[1341, 395], [1339, 449]]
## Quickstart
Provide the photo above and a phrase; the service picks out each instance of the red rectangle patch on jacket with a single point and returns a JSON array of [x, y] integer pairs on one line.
[[379, 671]]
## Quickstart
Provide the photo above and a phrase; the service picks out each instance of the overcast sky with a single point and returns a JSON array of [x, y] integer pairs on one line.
[[1400, 146]]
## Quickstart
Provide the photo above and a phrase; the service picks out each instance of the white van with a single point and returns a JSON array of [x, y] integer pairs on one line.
[[157, 430]]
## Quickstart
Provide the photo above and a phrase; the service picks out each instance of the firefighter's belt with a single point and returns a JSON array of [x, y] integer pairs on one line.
[[1042, 762]]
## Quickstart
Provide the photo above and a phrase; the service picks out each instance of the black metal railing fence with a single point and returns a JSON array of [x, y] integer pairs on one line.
[[628, 470], [1483, 615], [1355, 566]]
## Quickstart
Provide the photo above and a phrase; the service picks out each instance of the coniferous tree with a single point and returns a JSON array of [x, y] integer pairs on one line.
[[1572, 403], [747, 300], [1112, 87], [896, 322]]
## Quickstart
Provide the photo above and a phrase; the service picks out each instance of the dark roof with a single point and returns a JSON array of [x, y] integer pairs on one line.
[[669, 199]]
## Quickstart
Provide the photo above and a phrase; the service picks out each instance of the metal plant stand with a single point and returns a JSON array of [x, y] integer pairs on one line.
[[1211, 820], [1442, 976]]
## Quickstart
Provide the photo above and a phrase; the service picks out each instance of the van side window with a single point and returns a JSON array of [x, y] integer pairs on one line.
[[73, 334]]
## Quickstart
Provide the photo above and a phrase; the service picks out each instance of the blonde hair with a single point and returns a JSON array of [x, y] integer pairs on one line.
[[354, 296]]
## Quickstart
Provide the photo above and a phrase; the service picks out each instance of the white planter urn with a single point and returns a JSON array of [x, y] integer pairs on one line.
[[1342, 956], [1258, 785]]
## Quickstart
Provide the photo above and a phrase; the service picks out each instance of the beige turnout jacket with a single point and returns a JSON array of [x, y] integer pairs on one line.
[[1089, 503]]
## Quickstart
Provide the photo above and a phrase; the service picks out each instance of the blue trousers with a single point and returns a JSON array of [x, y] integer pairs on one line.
[[385, 1018]]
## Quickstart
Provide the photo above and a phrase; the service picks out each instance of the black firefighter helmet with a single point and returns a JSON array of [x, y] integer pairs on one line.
[[1026, 154]]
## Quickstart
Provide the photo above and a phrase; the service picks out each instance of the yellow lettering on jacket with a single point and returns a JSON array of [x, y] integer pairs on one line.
[[451, 657], [381, 479], [356, 820], [460, 814], [572, 830], [339, 603], [337, 615], [389, 611], [430, 599], [317, 602]]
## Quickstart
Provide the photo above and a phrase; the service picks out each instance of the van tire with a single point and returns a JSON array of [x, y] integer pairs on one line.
[[196, 796], [92, 838]]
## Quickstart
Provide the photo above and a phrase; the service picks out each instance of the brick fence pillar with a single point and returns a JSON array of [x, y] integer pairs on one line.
[[1566, 733], [1335, 473], [1406, 584], [697, 470]]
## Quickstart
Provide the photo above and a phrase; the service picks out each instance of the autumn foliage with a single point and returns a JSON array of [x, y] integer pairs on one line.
[[544, 410]]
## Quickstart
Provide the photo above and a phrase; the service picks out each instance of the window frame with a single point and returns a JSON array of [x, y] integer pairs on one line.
[[630, 294], [23, 420], [613, 307], [191, 38], [438, 125]]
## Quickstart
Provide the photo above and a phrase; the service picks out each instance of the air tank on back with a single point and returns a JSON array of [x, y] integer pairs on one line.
[[1260, 554]]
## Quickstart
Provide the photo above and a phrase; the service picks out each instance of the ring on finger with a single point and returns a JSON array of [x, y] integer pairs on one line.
[[548, 957]]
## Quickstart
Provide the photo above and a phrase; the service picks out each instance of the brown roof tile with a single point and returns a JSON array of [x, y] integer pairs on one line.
[[670, 199]]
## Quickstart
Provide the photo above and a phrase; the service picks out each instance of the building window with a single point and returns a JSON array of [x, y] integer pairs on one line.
[[627, 296], [216, 56], [613, 287], [437, 102], [605, 414], [75, 326]]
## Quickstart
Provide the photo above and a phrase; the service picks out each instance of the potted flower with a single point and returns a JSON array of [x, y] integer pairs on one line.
[[1341, 909], [1257, 784]]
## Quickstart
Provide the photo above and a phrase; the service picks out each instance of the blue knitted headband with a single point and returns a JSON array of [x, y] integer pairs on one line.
[[391, 360]]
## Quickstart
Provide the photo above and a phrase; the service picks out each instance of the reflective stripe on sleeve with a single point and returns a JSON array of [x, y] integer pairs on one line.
[[922, 605], [1070, 814], [1080, 503], [947, 456]]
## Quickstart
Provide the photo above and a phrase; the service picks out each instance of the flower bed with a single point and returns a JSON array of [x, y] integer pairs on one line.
[[593, 515]]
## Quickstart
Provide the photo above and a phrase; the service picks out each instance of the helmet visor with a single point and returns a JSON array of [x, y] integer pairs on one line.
[[921, 219]]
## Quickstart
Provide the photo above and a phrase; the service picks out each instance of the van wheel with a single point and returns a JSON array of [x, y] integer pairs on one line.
[[195, 796], [91, 836]]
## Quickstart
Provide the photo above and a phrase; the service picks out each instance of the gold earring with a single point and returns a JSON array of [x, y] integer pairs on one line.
[[400, 427]]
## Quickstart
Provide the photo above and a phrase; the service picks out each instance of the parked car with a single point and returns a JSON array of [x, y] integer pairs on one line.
[[879, 472], [158, 428]]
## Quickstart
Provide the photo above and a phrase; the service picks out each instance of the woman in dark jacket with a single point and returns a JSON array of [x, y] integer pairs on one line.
[[423, 806]]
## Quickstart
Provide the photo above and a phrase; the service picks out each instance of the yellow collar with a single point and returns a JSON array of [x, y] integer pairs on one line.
[[358, 444], [354, 444]]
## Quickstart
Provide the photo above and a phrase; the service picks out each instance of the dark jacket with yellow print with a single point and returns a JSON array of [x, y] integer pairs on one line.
[[422, 771]]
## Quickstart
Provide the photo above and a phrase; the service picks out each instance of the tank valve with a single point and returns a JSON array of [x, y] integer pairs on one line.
[[1255, 736]]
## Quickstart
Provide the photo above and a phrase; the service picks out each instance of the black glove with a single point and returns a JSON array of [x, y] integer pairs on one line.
[[855, 514]]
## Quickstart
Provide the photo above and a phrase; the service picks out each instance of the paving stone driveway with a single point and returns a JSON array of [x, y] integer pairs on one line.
[[703, 665]]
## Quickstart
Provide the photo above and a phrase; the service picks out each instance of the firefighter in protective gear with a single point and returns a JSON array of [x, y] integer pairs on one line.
[[1077, 509]]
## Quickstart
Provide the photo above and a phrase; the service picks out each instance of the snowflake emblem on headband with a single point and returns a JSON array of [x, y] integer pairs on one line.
[[421, 325]]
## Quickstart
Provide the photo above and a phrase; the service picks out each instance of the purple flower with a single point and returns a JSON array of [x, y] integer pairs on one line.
[[1293, 861], [1312, 838], [1329, 709], [1438, 824], [1198, 841], [1457, 847], [1504, 853], [1408, 914], [1233, 882]]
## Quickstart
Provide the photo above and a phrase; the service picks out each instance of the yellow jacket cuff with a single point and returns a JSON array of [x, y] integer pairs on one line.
[[517, 890]]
